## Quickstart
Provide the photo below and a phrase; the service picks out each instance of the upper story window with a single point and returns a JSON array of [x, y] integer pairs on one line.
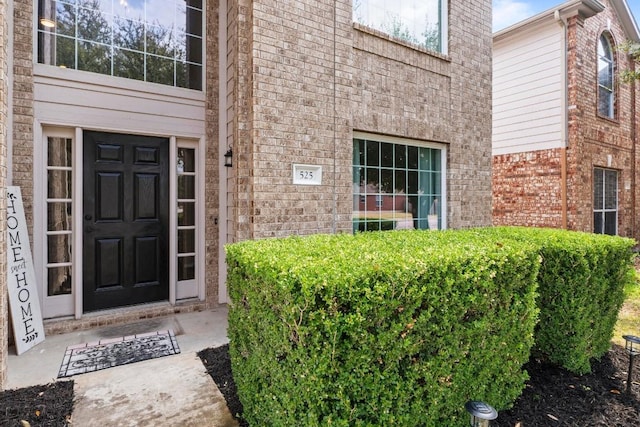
[[419, 22], [157, 41], [606, 66]]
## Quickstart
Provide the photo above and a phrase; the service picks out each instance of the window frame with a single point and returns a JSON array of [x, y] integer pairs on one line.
[[605, 40], [112, 78], [443, 24], [604, 210], [408, 142]]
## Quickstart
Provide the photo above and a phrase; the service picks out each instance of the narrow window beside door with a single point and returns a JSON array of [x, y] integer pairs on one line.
[[59, 205]]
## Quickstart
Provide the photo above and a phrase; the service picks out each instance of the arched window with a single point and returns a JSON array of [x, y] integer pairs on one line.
[[606, 93]]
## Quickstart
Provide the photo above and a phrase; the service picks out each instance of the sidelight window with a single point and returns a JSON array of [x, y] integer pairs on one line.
[[59, 215]]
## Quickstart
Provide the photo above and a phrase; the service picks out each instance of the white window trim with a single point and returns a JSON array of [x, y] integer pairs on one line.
[[71, 304], [417, 143], [193, 288], [57, 305]]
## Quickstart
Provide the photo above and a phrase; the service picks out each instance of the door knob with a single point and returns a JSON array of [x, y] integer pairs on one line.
[[87, 217]]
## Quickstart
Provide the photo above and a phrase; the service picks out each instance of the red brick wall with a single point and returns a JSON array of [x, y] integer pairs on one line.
[[527, 189], [527, 186]]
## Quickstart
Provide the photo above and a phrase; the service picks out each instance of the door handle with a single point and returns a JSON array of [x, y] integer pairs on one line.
[[87, 217]]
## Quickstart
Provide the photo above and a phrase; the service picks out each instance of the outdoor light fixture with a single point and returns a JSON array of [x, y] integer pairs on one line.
[[228, 158], [481, 413], [632, 345], [47, 23]]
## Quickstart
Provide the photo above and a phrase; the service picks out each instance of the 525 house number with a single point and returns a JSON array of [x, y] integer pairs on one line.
[[305, 175]]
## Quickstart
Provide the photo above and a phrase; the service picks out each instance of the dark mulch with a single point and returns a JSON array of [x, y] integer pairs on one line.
[[42, 405], [553, 396]]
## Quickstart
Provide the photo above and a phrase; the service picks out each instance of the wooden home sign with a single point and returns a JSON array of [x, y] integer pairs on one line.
[[26, 316]]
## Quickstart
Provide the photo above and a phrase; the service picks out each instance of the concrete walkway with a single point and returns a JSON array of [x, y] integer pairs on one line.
[[168, 391]]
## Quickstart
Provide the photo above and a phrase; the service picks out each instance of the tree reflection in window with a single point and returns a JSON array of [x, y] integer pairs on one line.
[[59, 215], [396, 186], [419, 23], [157, 41]]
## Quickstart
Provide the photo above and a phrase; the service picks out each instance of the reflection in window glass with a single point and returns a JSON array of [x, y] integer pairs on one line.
[[188, 233], [605, 201], [399, 188], [186, 268], [605, 78], [157, 41], [59, 211], [419, 23]]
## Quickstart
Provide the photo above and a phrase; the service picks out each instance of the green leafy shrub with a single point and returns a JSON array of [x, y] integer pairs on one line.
[[395, 328], [581, 284]]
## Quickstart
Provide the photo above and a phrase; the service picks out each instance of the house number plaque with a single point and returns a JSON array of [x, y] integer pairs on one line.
[[307, 174]]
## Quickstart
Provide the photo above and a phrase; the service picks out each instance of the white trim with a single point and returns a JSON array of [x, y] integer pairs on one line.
[[56, 305], [201, 219], [173, 221], [191, 288], [78, 201]]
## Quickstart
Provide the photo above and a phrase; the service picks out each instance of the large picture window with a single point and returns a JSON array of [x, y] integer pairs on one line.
[[422, 23], [159, 41], [606, 94], [397, 185], [605, 201]]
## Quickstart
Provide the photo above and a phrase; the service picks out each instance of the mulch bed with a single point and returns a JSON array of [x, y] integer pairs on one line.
[[552, 397], [43, 405]]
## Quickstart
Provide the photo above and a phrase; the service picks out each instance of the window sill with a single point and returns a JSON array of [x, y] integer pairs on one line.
[[369, 40]]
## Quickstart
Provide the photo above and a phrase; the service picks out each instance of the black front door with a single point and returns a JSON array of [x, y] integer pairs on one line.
[[125, 218]]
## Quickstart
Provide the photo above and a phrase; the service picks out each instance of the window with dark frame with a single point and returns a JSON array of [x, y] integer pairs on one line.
[[396, 186], [606, 79], [605, 201]]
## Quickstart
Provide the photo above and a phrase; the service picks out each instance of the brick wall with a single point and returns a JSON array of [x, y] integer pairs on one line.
[[596, 141], [23, 137], [212, 169], [316, 77], [527, 186], [4, 105]]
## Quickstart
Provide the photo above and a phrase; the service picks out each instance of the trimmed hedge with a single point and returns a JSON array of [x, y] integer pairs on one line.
[[392, 328], [581, 285]]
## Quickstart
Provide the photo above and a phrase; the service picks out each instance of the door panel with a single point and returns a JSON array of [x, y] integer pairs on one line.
[[126, 213]]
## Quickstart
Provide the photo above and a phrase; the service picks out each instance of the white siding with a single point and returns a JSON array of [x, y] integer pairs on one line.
[[527, 90]]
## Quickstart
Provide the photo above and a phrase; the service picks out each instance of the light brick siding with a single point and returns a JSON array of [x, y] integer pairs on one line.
[[316, 77], [212, 168], [593, 141], [4, 122], [22, 155]]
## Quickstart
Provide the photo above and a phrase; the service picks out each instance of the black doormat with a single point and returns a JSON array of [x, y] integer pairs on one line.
[[107, 353]]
